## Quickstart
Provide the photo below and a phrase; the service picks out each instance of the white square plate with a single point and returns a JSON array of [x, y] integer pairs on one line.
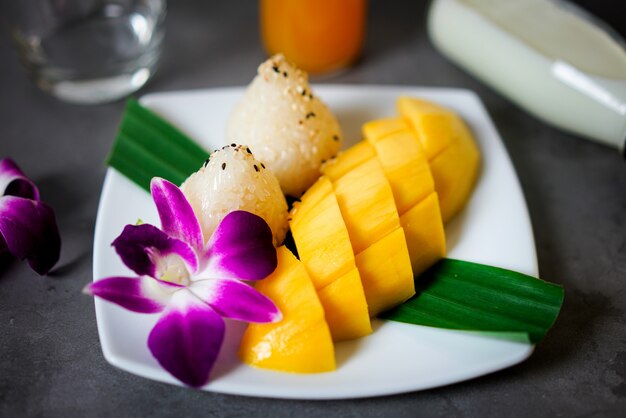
[[493, 229]]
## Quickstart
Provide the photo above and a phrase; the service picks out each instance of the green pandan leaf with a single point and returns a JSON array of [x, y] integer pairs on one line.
[[147, 146], [467, 296]]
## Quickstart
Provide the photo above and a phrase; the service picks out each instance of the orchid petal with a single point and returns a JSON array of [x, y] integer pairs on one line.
[[187, 339], [177, 216], [137, 294], [236, 300], [147, 250], [14, 182], [29, 230], [241, 247]]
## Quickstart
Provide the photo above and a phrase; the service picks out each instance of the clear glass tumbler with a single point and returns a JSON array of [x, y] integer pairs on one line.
[[88, 51]]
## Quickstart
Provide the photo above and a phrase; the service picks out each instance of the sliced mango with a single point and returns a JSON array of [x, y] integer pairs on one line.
[[320, 235], [409, 175], [301, 342], [346, 310], [386, 274], [312, 196], [455, 171], [367, 205], [405, 167], [430, 122], [450, 149], [325, 249], [380, 128], [347, 160], [424, 232]]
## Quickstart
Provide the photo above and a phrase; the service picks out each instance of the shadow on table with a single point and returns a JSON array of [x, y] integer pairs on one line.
[[6, 261], [75, 218], [67, 268]]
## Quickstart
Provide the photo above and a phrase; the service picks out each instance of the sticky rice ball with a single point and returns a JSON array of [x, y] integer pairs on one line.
[[232, 179], [287, 127]]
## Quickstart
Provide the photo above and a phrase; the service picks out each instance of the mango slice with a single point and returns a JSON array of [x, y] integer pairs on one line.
[[386, 274], [320, 235], [367, 205], [379, 128], [347, 160], [455, 171], [346, 310], [425, 237], [325, 249], [366, 201], [450, 149], [405, 167], [312, 196], [301, 342], [409, 175]]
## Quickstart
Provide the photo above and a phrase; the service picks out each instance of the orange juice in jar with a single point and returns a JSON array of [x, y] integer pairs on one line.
[[317, 35]]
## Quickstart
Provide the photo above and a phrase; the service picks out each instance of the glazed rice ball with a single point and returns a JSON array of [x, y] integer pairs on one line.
[[287, 127], [232, 179]]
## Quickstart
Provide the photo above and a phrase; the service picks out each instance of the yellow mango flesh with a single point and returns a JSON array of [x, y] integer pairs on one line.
[[425, 237], [405, 167], [346, 310], [429, 121], [321, 236], [455, 171], [324, 247], [301, 342], [312, 196], [379, 128], [386, 274], [366, 200], [450, 149], [367, 205], [409, 175], [347, 160]]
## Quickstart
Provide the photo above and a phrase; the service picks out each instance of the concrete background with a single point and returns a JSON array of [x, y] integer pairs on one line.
[[50, 358]]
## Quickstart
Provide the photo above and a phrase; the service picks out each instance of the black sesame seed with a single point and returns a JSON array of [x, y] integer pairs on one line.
[[275, 68], [262, 165], [322, 162], [285, 74], [336, 137], [233, 145], [248, 149], [223, 166], [256, 168], [304, 92], [311, 96], [310, 115], [206, 161]]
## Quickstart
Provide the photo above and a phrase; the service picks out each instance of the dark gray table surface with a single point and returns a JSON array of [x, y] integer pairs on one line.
[[50, 358]]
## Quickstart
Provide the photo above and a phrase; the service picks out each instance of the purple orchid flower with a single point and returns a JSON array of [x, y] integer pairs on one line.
[[28, 228], [192, 284]]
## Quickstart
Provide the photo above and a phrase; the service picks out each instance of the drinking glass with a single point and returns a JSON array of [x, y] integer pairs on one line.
[[88, 51]]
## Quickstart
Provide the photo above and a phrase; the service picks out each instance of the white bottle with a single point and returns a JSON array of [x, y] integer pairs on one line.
[[551, 58]]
